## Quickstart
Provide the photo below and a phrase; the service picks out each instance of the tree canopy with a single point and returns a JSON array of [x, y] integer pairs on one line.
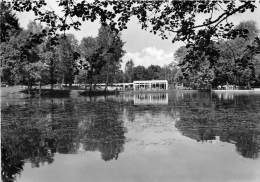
[[159, 17], [222, 62]]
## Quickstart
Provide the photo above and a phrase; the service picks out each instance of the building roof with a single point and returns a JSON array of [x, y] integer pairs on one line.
[[150, 81]]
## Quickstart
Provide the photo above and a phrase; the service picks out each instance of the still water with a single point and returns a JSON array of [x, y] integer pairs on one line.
[[178, 136]]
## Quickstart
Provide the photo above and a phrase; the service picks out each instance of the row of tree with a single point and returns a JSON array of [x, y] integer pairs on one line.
[[32, 56], [208, 63], [29, 57], [38, 55], [153, 72]]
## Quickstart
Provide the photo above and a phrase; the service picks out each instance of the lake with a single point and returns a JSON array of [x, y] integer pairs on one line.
[[177, 136]]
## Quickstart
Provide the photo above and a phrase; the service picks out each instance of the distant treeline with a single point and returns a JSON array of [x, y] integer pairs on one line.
[[153, 72]]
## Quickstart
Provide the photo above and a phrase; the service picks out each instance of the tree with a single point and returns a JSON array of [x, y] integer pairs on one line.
[[101, 56], [139, 73], [165, 18], [113, 53], [162, 17], [198, 65], [236, 59], [129, 71], [19, 57], [168, 72], [49, 56], [180, 54], [119, 77], [92, 59], [212, 63], [153, 72], [89, 61], [9, 27], [9, 24], [67, 55]]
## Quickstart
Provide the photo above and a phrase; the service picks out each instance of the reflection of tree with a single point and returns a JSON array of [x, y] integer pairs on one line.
[[65, 124], [130, 113], [246, 143], [234, 121], [105, 131], [23, 143], [11, 163], [34, 132]]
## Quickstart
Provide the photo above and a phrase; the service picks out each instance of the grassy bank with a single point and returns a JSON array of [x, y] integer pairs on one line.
[[99, 93], [47, 92]]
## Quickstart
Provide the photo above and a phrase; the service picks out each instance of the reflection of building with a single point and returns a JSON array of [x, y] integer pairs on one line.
[[225, 95], [150, 85], [151, 98]]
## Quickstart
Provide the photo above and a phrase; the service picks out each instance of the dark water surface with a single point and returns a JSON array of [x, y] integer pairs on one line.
[[179, 136]]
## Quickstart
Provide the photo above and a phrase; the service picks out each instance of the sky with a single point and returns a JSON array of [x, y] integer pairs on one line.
[[143, 47]]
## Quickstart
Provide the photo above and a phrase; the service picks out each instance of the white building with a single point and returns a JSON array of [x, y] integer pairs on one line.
[[150, 85]]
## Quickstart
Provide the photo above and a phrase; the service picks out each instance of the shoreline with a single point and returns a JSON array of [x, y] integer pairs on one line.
[[252, 90], [5, 91]]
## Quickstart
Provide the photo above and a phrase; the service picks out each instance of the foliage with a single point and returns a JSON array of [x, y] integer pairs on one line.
[[198, 65], [153, 72], [19, 57], [101, 56], [129, 66], [67, 56], [162, 17], [208, 63], [113, 45], [180, 54], [140, 73], [9, 25]]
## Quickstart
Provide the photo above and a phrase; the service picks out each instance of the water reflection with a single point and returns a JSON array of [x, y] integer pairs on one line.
[[103, 131], [35, 131], [151, 98], [231, 119]]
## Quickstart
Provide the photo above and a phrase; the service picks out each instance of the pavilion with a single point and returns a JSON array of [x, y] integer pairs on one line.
[[150, 85]]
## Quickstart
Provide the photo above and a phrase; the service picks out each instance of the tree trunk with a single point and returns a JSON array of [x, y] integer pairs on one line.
[[91, 80], [29, 86], [249, 86], [90, 86], [94, 87], [40, 88], [63, 78], [52, 73], [107, 76]]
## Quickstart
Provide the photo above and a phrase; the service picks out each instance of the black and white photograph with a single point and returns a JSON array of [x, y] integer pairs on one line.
[[130, 90]]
